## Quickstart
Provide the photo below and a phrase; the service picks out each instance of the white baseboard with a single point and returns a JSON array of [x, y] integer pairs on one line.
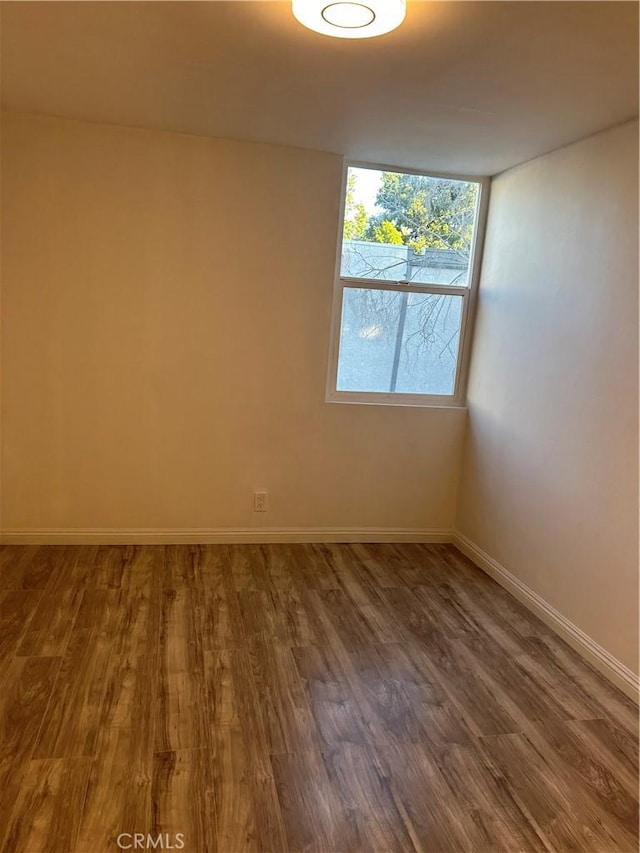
[[221, 536], [600, 658]]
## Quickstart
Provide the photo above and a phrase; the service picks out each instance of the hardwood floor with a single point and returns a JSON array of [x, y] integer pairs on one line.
[[297, 698]]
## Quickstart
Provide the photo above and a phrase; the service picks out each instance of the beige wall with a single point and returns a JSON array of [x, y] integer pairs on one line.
[[166, 306], [549, 485]]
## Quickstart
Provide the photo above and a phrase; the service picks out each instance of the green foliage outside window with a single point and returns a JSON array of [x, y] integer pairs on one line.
[[416, 211]]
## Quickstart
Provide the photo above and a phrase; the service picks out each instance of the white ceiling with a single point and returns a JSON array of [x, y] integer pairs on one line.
[[468, 87]]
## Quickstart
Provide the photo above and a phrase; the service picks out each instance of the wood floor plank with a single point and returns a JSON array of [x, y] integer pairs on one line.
[[70, 729], [462, 576], [249, 702], [288, 722], [486, 619], [237, 821], [381, 675], [563, 813], [407, 609], [617, 743], [27, 567], [47, 810], [442, 818], [443, 609], [12, 560], [222, 702], [347, 619], [368, 603], [32, 566], [280, 617], [314, 565], [335, 710], [587, 683], [568, 747], [444, 665], [531, 696], [315, 818], [23, 704], [387, 711], [118, 795], [110, 565], [248, 814], [425, 711], [182, 565], [138, 620], [16, 610], [364, 791], [221, 618], [183, 799], [71, 726], [122, 566], [479, 785], [250, 750], [372, 570], [604, 749], [52, 621], [575, 702], [181, 707], [248, 565], [409, 562]]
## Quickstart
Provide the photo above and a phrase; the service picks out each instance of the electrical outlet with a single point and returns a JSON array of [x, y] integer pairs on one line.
[[260, 502]]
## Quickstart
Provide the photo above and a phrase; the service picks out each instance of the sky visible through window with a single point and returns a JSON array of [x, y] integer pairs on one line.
[[366, 188]]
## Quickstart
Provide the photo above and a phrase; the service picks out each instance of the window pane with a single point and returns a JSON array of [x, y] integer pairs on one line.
[[405, 343], [401, 227]]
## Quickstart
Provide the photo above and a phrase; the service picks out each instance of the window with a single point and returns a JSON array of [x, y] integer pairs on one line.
[[406, 277]]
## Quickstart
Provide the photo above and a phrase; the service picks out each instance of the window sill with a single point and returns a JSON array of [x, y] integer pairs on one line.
[[405, 401]]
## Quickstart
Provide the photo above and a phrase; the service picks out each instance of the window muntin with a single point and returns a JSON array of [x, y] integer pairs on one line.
[[407, 259]]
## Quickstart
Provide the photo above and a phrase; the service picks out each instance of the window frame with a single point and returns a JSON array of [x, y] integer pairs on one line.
[[467, 292]]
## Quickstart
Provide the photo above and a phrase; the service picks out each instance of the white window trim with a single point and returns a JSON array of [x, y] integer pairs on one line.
[[468, 293]]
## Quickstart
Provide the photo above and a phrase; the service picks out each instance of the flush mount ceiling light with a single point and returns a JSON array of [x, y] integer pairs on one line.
[[350, 20]]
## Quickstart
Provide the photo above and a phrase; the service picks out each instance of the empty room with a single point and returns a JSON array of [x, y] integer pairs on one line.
[[319, 426]]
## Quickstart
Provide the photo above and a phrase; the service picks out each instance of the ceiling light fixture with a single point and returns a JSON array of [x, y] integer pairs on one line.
[[350, 20]]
